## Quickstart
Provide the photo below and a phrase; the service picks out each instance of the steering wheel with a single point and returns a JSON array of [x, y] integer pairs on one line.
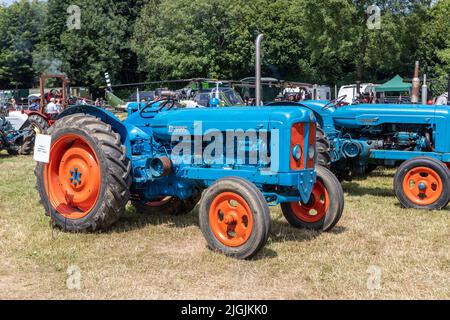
[[158, 105], [334, 102]]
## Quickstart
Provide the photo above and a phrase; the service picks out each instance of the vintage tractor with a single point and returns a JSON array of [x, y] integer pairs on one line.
[[39, 119], [355, 139], [165, 157], [15, 141]]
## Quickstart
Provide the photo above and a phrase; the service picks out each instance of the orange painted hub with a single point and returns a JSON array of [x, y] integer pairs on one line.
[[422, 185], [231, 219], [316, 209], [72, 177]]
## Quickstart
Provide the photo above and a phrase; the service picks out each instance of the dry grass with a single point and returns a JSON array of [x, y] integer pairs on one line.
[[163, 257]]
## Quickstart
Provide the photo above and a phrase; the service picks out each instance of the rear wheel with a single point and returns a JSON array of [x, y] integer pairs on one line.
[[28, 141], [167, 205], [234, 218], [325, 208], [38, 124], [423, 183], [323, 149], [85, 186]]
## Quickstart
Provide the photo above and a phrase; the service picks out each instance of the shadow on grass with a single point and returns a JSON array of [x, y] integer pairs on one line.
[[283, 232], [133, 221], [5, 156], [355, 189], [383, 174]]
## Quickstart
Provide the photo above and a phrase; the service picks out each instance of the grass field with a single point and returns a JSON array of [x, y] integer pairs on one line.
[[164, 257]]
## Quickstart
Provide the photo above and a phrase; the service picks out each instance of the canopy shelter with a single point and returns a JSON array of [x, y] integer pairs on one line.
[[396, 84]]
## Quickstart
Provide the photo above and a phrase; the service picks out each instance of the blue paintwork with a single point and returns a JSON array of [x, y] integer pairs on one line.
[[147, 133], [381, 134]]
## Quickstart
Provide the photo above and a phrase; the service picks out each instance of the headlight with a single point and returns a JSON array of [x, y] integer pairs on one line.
[[297, 152], [311, 152]]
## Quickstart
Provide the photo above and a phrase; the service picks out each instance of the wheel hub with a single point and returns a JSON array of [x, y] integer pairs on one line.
[[422, 185], [75, 177], [231, 219]]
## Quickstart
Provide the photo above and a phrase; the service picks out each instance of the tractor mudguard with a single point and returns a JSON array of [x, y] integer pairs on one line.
[[126, 131], [324, 116]]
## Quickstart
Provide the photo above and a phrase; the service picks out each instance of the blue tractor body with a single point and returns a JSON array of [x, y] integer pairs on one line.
[[164, 157], [148, 135]]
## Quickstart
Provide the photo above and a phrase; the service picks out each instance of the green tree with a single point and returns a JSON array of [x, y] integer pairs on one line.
[[434, 49], [208, 38], [20, 26], [100, 44]]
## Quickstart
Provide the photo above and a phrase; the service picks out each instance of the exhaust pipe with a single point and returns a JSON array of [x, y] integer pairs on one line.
[[424, 90], [416, 85], [160, 167], [258, 70]]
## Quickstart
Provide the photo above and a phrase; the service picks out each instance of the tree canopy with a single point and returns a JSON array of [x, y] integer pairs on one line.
[[317, 41]]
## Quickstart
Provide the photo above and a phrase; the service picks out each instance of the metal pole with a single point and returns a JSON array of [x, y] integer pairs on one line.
[[424, 90], [258, 70]]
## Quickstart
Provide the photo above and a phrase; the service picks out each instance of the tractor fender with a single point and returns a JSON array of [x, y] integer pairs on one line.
[[323, 116], [127, 132]]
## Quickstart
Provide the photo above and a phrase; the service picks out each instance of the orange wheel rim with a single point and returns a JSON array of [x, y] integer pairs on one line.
[[73, 177], [316, 209], [231, 219], [422, 185]]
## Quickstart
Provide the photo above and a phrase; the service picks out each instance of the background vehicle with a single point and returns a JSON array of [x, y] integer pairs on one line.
[[15, 141], [358, 138], [354, 92]]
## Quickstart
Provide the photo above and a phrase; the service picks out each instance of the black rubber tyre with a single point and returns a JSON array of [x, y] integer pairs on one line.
[[13, 152], [329, 213], [39, 124], [114, 168], [371, 168], [172, 206], [258, 209], [409, 198], [323, 149], [28, 143]]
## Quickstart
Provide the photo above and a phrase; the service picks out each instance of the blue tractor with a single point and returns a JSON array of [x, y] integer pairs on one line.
[[164, 158], [354, 139], [16, 140]]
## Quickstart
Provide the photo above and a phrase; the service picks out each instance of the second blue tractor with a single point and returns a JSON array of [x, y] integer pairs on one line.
[[354, 139]]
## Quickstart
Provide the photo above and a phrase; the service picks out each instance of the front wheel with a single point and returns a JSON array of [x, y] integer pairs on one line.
[[85, 186], [325, 207], [423, 183], [234, 218]]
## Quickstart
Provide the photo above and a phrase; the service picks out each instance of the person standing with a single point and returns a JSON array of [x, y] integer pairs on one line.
[[51, 108]]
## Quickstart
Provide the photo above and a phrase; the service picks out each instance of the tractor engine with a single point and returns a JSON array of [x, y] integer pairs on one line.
[[178, 147], [353, 146]]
